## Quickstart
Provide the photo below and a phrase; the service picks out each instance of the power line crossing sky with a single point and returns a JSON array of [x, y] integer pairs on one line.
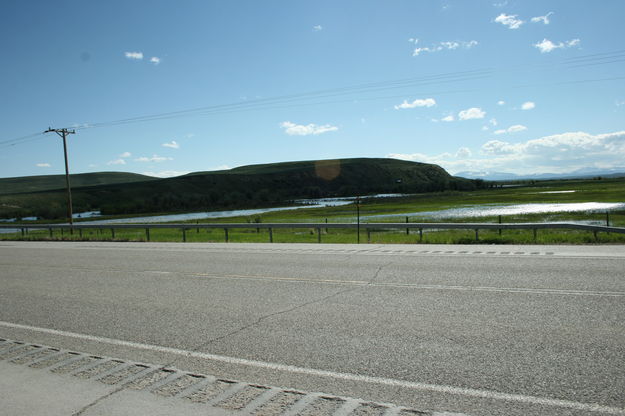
[[165, 88]]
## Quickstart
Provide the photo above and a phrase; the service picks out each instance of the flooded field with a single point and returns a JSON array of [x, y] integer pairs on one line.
[[489, 210]]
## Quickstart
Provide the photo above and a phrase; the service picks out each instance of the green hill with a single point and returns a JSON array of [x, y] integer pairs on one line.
[[26, 184], [243, 187]]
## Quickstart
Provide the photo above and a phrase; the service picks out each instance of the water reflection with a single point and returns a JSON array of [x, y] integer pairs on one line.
[[303, 203], [488, 210], [484, 210]]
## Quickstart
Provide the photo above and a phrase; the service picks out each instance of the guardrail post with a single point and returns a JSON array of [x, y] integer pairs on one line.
[[113, 233], [407, 229], [184, 235], [534, 234], [270, 235], [326, 227], [22, 232], [197, 230], [420, 235], [62, 232], [368, 236], [319, 235], [477, 235], [80, 232], [50, 228], [147, 234], [226, 234], [607, 218], [595, 233], [500, 223]]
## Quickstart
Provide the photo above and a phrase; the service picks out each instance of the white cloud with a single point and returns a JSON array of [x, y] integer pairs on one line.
[[463, 153], [134, 55], [509, 20], [43, 165], [544, 19], [447, 45], [493, 122], [501, 4], [528, 105], [418, 157], [154, 158], [166, 173], [155, 60], [485, 128], [516, 128], [172, 145], [317, 28], [413, 40], [93, 165], [293, 129], [448, 118], [450, 45], [501, 102], [471, 113], [427, 102], [560, 153], [512, 129], [125, 154], [220, 167], [619, 103], [116, 162], [546, 46]]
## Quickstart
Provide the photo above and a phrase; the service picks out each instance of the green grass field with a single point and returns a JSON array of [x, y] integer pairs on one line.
[[331, 236], [607, 190]]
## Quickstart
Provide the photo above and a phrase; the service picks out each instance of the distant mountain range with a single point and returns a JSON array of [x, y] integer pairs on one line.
[[577, 174]]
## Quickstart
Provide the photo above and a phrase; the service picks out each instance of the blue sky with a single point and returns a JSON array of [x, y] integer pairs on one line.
[[512, 86]]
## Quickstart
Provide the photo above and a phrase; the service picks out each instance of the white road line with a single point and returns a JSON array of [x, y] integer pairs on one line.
[[485, 394], [525, 290], [540, 291]]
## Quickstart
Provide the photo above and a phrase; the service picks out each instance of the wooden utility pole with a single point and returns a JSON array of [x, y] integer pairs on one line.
[[358, 219], [63, 133]]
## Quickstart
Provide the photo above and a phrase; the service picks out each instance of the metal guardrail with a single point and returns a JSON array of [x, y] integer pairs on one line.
[[368, 227]]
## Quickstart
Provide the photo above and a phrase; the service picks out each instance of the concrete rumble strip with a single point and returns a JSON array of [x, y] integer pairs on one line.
[[43, 380]]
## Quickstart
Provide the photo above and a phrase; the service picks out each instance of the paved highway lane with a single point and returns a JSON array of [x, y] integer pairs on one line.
[[479, 330]]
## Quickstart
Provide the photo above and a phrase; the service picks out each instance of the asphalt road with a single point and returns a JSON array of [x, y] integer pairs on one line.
[[480, 330]]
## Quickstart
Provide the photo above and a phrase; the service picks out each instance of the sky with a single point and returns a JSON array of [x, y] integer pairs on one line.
[[164, 88]]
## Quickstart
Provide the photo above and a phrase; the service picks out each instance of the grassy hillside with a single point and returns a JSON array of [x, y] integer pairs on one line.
[[246, 186], [26, 184]]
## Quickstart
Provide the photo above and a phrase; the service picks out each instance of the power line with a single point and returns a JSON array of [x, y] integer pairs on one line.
[[304, 99], [449, 77], [363, 88], [17, 139]]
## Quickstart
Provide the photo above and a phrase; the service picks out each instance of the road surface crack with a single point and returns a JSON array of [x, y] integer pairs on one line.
[[377, 273], [285, 311], [98, 400]]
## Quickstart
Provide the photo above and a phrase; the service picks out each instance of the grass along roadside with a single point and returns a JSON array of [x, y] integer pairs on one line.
[[339, 236]]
